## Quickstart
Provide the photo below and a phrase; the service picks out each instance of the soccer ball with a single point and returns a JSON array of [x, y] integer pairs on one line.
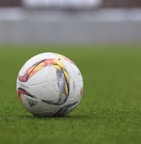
[[49, 84]]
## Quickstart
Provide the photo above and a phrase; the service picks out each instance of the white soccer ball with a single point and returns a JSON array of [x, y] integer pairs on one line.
[[49, 84]]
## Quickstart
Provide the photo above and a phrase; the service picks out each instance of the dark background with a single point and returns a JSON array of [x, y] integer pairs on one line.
[[105, 4]]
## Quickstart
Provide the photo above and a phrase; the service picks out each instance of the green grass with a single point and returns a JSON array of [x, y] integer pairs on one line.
[[110, 110]]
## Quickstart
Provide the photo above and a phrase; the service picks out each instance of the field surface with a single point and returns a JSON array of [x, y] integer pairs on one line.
[[110, 110]]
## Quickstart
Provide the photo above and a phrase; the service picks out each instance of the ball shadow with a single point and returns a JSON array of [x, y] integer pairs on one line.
[[72, 117]]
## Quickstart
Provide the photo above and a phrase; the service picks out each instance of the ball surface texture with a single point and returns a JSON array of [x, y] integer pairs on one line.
[[49, 84]]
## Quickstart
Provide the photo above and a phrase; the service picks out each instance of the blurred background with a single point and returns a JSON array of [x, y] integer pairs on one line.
[[70, 21]]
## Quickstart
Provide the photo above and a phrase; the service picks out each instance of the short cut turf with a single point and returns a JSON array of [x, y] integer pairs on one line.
[[110, 110]]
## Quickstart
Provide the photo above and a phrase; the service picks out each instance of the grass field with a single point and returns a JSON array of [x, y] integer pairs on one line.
[[110, 110]]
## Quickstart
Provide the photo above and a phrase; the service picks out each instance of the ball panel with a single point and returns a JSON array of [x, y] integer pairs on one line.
[[37, 107], [66, 109]]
